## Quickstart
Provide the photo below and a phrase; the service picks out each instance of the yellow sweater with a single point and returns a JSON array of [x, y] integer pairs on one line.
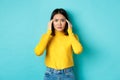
[[58, 49]]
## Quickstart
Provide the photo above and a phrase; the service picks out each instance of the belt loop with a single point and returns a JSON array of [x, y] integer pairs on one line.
[[52, 70], [64, 70]]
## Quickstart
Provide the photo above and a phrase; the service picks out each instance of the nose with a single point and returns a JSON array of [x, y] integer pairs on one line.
[[60, 23]]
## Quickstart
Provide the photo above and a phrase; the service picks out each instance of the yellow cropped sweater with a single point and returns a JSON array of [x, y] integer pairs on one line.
[[58, 49]]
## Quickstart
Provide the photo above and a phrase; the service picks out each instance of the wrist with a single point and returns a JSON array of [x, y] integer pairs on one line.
[[70, 30], [49, 31]]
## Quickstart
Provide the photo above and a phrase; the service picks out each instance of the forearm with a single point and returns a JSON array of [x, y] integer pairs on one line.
[[77, 47], [39, 49]]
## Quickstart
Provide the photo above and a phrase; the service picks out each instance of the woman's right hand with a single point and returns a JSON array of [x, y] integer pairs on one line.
[[50, 25]]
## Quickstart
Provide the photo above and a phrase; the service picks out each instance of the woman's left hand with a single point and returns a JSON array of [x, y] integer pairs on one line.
[[69, 27], [69, 24]]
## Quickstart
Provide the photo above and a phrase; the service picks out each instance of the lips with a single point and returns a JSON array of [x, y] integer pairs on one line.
[[59, 27]]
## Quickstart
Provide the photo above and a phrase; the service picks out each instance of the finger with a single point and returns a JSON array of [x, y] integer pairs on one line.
[[69, 24], [67, 21], [51, 21]]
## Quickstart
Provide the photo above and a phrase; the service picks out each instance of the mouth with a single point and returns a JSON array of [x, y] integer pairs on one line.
[[59, 27]]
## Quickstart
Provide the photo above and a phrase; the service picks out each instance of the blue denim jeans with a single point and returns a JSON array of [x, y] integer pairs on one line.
[[65, 74]]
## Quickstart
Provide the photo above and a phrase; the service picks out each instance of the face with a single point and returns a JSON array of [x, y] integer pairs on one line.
[[59, 22]]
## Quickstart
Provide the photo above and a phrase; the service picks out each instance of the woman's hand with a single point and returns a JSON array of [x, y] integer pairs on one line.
[[69, 27], [50, 25], [69, 24]]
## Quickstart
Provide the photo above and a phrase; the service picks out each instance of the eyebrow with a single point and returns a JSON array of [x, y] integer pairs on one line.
[[60, 19]]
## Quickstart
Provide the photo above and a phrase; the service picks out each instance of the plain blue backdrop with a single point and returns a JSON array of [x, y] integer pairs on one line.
[[97, 23]]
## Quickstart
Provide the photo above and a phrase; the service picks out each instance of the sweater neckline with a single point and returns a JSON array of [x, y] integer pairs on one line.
[[59, 33]]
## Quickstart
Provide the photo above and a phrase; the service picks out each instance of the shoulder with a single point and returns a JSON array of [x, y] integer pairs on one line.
[[76, 36]]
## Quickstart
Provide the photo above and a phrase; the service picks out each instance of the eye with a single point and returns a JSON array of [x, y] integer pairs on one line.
[[56, 20], [63, 20]]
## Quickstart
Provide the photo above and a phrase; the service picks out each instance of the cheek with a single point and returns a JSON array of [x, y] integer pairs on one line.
[[64, 24], [54, 24]]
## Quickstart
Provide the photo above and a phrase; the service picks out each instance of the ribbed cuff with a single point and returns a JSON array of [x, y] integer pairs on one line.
[[49, 32], [70, 31]]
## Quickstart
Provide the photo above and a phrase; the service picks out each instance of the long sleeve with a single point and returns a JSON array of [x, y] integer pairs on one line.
[[76, 46], [39, 49]]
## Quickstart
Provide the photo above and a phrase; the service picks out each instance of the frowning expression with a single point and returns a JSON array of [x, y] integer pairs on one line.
[[59, 22]]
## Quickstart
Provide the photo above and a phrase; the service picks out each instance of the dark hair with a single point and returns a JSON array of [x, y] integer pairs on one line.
[[64, 13]]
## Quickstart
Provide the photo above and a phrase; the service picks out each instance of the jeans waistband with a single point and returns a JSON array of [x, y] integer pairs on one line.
[[60, 71]]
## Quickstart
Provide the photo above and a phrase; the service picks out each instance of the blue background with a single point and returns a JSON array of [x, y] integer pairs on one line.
[[97, 23]]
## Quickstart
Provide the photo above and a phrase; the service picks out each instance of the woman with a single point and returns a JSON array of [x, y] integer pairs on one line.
[[59, 41]]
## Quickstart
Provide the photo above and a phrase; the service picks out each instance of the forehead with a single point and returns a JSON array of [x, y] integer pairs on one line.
[[59, 16]]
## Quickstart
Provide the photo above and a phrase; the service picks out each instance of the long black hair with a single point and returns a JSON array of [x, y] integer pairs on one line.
[[64, 13]]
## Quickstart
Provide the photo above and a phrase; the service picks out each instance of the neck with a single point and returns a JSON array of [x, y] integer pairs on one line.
[[59, 33]]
